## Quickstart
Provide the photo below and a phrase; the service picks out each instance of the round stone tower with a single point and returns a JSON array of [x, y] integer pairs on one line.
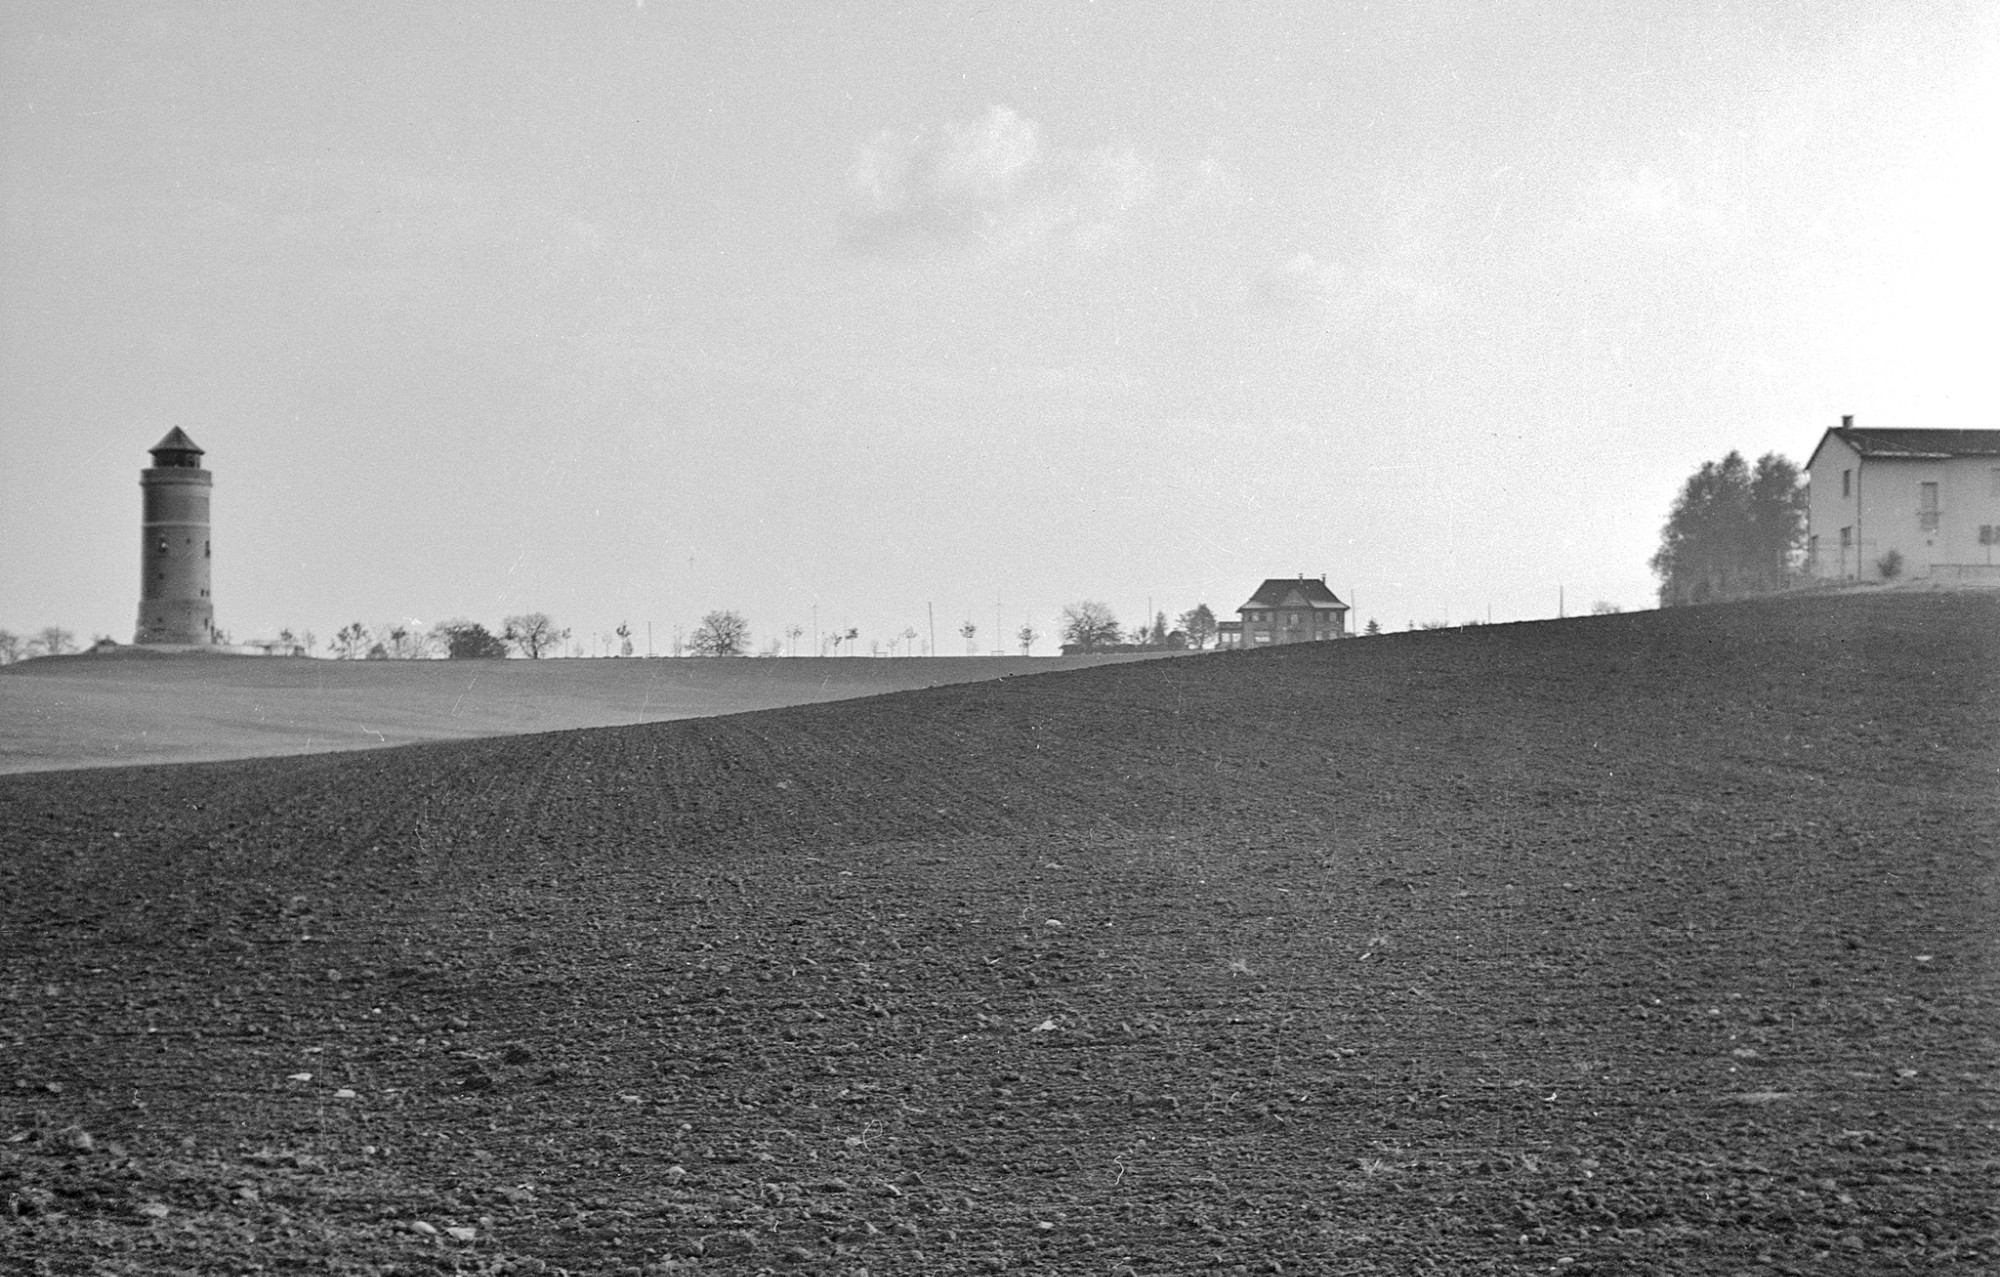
[[174, 606]]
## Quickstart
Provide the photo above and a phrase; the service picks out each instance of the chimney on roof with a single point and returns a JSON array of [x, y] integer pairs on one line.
[[1847, 421]]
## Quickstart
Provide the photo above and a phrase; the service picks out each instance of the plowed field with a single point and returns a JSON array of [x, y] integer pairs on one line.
[[1649, 943], [135, 706]]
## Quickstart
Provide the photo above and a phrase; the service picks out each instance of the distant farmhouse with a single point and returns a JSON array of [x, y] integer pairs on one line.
[[1925, 503], [1286, 610]]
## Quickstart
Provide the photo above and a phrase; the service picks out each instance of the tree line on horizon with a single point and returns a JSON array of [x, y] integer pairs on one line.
[[50, 640], [1735, 529]]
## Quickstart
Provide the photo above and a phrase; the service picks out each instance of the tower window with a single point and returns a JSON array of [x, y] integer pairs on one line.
[[204, 549], [1846, 483]]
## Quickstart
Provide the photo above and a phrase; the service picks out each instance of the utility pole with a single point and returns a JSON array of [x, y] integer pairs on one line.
[[1560, 612], [930, 609]]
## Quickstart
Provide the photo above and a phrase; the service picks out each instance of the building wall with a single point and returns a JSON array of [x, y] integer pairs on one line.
[[1274, 625], [1829, 509], [174, 557], [1970, 499], [1884, 507]]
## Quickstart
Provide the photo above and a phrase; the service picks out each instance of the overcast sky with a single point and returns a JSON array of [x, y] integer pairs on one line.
[[632, 312]]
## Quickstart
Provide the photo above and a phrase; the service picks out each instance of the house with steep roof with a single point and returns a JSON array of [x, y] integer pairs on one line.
[[1286, 610], [1925, 502]]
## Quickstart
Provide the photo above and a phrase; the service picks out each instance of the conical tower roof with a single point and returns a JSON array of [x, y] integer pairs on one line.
[[177, 441]]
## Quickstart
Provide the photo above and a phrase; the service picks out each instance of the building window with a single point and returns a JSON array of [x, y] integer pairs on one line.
[[204, 549], [1846, 538], [1846, 483], [1927, 506]]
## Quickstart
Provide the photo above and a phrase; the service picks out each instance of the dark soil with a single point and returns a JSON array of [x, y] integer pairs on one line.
[[1649, 943]]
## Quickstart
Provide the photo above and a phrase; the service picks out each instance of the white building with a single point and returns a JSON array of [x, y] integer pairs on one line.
[[1931, 498]]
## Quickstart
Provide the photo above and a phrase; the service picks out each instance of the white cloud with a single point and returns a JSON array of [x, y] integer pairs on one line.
[[991, 186]]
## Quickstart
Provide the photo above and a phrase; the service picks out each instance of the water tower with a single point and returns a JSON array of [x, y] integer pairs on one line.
[[174, 606]]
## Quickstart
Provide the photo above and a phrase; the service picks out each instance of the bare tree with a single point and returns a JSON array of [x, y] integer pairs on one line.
[[624, 633], [721, 634], [794, 632], [401, 641], [534, 634], [1026, 636], [1088, 626], [10, 647], [969, 632], [909, 637], [350, 642], [1199, 623], [54, 640]]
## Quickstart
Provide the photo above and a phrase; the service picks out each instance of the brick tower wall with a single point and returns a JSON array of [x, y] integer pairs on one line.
[[174, 603]]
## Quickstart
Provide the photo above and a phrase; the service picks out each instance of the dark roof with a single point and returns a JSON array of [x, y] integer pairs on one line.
[[1914, 445], [1274, 590], [176, 441]]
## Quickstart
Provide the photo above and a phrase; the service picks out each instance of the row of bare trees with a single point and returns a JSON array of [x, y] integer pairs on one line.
[[1086, 626], [50, 640], [532, 634], [1090, 626]]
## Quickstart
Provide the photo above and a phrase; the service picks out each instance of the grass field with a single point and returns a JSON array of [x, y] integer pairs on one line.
[[1654, 943], [91, 711]]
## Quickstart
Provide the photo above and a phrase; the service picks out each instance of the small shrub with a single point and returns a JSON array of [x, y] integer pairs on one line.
[[1890, 565]]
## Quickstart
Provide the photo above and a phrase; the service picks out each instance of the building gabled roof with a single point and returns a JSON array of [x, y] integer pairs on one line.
[[1277, 589], [1913, 445], [176, 441]]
